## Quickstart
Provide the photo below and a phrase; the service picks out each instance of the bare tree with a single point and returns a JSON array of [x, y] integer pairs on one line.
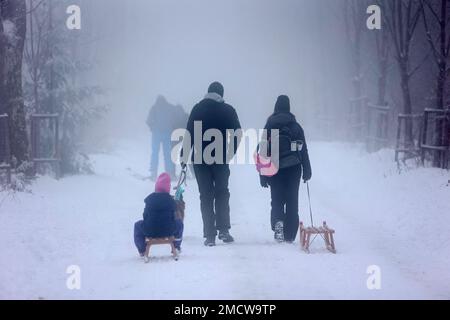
[[383, 49], [402, 18], [436, 14], [355, 21], [12, 38], [447, 85], [354, 15], [35, 54], [377, 113], [2, 64], [436, 18]]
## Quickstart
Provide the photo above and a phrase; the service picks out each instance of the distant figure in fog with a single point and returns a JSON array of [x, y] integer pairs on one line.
[[162, 120], [293, 164]]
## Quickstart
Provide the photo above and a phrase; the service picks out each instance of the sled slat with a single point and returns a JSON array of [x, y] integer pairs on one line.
[[159, 240]]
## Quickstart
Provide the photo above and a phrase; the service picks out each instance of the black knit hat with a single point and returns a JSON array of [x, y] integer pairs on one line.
[[216, 87], [283, 104]]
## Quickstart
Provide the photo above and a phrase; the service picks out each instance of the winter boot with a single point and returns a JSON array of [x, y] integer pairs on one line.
[[226, 237], [279, 232], [210, 241]]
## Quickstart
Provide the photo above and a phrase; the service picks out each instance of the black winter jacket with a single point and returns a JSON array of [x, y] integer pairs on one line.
[[214, 114], [279, 120], [159, 215]]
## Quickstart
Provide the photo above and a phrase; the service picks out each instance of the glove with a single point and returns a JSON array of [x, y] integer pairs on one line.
[[306, 179], [183, 165], [264, 181]]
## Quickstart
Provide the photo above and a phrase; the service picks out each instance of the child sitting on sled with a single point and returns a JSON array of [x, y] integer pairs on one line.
[[163, 217]]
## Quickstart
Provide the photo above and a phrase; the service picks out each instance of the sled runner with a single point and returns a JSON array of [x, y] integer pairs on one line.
[[179, 190], [324, 232], [150, 242]]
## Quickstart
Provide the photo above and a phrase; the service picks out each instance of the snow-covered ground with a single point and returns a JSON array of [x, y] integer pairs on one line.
[[399, 222]]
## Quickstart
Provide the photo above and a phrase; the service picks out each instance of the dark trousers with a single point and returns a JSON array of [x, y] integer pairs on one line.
[[179, 228], [212, 183], [284, 187]]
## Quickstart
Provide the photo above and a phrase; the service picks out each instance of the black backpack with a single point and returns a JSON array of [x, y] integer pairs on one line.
[[289, 148]]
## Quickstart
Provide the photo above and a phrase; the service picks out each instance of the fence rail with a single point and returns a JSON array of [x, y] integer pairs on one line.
[[377, 122], [51, 153], [356, 122], [409, 131], [436, 136]]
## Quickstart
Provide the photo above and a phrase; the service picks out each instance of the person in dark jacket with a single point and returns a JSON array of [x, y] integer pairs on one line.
[[162, 119], [212, 177], [160, 219], [293, 164]]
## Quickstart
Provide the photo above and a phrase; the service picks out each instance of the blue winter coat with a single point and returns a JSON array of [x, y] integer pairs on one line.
[[159, 215]]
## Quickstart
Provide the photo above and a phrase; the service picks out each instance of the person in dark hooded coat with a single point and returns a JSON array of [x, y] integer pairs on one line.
[[293, 165]]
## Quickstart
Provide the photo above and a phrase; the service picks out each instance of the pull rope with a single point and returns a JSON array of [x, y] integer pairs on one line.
[[311, 213], [179, 189], [182, 179], [310, 207]]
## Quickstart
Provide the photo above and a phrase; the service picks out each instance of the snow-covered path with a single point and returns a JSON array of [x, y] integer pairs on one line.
[[397, 222]]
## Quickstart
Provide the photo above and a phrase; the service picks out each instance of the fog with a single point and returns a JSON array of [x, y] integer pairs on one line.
[[72, 185], [258, 49]]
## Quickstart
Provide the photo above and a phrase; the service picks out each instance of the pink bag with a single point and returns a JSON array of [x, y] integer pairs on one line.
[[265, 166]]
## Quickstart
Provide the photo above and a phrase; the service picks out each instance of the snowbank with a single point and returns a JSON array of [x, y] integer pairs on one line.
[[398, 222]]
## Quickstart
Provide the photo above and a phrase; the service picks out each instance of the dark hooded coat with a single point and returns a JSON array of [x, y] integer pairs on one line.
[[283, 120]]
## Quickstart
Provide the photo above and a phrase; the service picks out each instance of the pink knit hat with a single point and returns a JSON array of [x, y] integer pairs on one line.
[[163, 183]]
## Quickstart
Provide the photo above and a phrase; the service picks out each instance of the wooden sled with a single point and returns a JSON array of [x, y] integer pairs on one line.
[[151, 242], [325, 232]]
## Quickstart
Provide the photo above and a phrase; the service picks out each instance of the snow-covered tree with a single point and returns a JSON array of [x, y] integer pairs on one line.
[[54, 83]]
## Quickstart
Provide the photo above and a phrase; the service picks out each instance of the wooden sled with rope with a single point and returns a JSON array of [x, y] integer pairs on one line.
[[309, 234], [179, 214]]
